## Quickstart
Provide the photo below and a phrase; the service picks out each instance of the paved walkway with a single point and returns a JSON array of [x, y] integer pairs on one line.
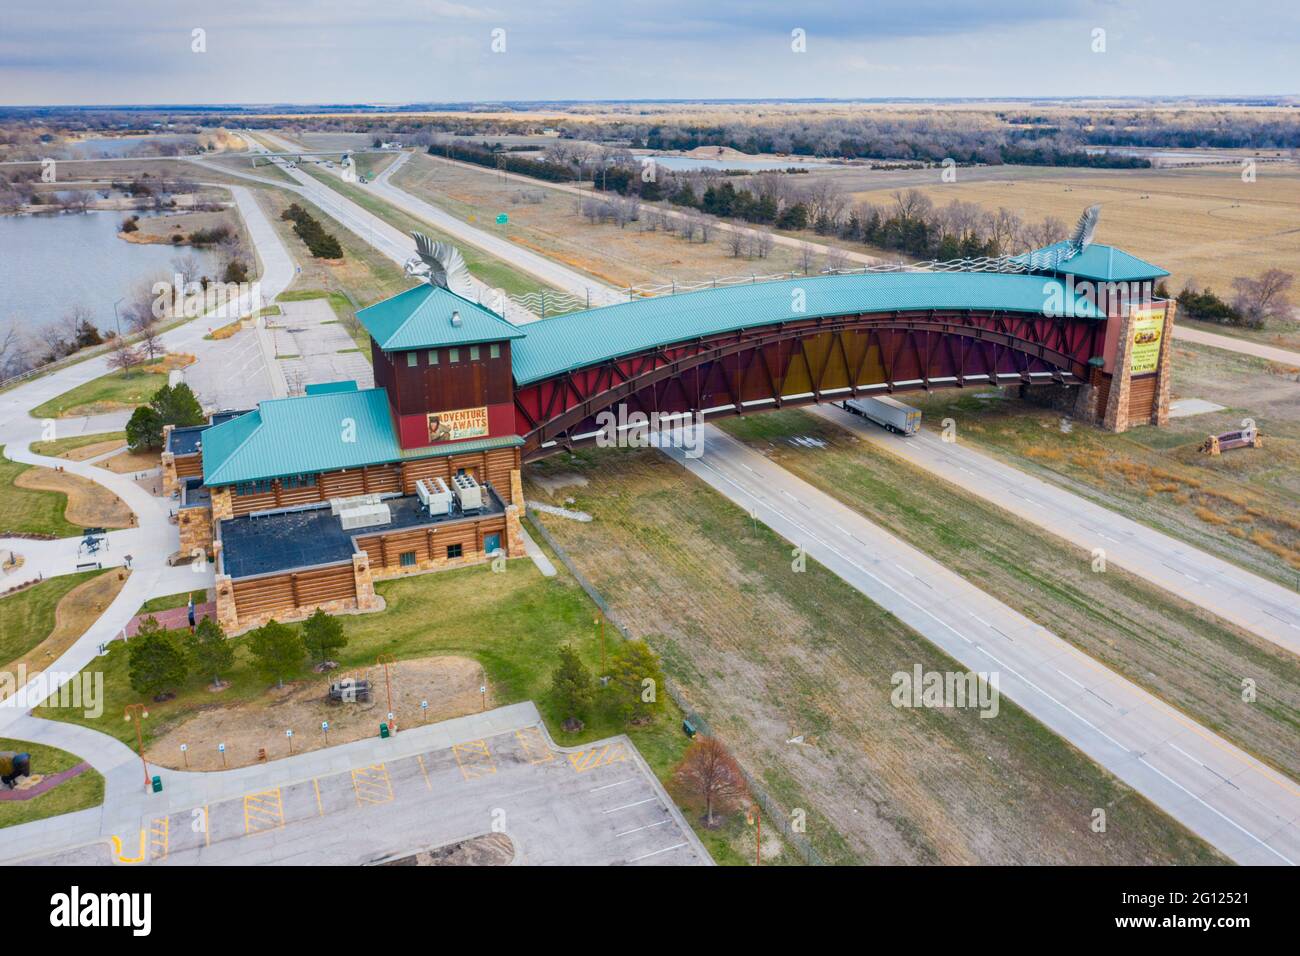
[[1247, 600], [155, 538], [1234, 344], [45, 784]]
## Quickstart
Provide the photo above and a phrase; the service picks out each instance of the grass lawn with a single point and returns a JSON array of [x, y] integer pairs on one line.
[[510, 622], [106, 393], [61, 446], [80, 793], [169, 601], [766, 653], [1179, 652], [27, 618], [27, 510]]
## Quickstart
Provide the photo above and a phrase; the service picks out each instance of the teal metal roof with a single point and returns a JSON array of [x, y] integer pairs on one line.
[[421, 318], [325, 388], [463, 447], [310, 433], [566, 342], [1096, 263]]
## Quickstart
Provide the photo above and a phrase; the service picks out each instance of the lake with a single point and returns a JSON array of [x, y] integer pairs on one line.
[[115, 146], [48, 264], [746, 165]]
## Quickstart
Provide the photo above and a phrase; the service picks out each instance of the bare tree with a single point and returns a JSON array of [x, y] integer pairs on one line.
[[737, 241], [711, 774], [187, 267], [151, 340], [762, 243], [1004, 226], [1263, 298], [807, 256], [707, 226], [123, 357], [836, 259]]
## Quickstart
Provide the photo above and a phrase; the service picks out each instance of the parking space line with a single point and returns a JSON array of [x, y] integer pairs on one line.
[[320, 807], [159, 838], [372, 784], [648, 826], [207, 827], [534, 745], [585, 760], [263, 811], [608, 786], [646, 856], [474, 759], [629, 806], [424, 772]]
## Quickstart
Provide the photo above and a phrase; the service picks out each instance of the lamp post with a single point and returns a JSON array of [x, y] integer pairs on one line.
[[387, 659], [138, 712], [116, 318]]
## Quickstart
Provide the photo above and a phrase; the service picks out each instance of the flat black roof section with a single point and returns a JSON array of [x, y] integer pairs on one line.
[[286, 540], [185, 441]]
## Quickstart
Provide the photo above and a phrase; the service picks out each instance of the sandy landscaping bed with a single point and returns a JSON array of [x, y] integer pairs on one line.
[[449, 684], [89, 504], [75, 612]]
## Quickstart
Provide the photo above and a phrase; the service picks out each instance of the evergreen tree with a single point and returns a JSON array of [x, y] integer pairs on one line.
[[155, 664], [631, 666], [210, 652], [277, 651], [322, 634], [571, 684]]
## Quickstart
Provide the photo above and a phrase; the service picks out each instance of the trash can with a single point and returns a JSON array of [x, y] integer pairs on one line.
[[383, 731], [688, 728], [157, 784]]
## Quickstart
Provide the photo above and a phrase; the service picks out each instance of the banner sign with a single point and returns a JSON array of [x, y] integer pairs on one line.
[[457, 424], [1148, 326]]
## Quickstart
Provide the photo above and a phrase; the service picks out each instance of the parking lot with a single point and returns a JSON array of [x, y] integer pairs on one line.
[[599, 805]]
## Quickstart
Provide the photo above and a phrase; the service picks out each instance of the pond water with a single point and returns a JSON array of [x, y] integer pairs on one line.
[[747, 165], [48, 264], [113, 146]]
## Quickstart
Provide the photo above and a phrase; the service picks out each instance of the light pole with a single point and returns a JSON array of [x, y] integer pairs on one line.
[[116, 317], [387, 659], [138, 712]]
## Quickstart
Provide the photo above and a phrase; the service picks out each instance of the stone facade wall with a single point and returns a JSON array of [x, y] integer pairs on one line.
[[195, 527], [1164, 371], [171, 485], [1115, 418]]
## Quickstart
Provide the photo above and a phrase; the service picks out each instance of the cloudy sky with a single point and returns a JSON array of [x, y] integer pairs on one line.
[[387, 51]]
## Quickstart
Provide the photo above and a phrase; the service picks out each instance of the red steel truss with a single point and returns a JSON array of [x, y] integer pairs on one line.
[[797, 363]]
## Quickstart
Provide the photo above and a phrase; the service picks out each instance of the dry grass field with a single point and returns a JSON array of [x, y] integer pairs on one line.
[[548, 221], [765, 654], [90, 505], [1200, 223], [75, 611]]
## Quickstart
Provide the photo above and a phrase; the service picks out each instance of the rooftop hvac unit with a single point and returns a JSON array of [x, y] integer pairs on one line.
[[467, 492], [355, 501], [365, 516], [434, 495]]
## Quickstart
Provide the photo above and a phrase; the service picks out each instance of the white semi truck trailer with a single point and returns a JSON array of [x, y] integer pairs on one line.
[[887, 413]]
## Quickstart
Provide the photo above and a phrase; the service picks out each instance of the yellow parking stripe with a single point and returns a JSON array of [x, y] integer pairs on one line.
[[263, 811], [585, 760], [534, 745], [372, 785], [474, 759], [159, 838]]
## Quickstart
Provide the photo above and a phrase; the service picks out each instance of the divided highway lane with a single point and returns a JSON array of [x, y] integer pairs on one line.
[[1233, 801], [1247, 600]]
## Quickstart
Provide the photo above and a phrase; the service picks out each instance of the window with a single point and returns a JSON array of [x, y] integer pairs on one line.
[[253, 487], [473, 353], [299, 481], [494, 351], [453, 355], [433, 356], [406, 559], [412, 359], [454, 551]]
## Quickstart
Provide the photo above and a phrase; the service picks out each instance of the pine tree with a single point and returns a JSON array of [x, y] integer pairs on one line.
[[572, 685], [155, 664], [631, 666], [322, 634], [210, 652], [277, 651]]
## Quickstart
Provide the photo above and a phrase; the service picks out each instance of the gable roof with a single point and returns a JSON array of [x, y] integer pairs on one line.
[[308, 433], [566, 342], [1097, 263], [420, 318]]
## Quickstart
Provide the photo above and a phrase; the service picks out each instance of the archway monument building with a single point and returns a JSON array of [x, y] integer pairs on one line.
[[305, 501]]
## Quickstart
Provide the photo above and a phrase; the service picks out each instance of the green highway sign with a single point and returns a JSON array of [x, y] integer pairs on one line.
[[502, 219]]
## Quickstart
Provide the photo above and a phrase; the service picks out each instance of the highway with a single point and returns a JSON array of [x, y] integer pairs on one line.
[[1229, 798], [1247, 600]]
